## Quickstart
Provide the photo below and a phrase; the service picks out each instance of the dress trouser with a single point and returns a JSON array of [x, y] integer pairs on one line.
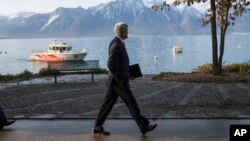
[[2, 117], [121, 89]]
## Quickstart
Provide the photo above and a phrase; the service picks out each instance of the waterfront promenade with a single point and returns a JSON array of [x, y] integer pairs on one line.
[[156, 99], [65, 111]]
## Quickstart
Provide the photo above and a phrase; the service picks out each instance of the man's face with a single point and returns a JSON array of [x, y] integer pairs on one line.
[[125, 35]]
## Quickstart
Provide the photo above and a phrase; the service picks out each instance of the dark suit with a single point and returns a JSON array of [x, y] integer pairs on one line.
[[2, 117], [118, 85]]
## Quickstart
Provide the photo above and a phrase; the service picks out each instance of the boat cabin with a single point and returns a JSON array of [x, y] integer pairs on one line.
[[60, 47]]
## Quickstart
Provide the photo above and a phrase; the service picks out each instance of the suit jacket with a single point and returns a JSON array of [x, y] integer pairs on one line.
[[118, 62]]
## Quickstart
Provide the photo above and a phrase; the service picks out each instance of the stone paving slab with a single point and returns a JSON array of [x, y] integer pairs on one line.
[[156, 100]]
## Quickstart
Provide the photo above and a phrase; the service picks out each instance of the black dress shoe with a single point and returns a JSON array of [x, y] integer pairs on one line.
[[8, 122], [148, 129], [100, 132]]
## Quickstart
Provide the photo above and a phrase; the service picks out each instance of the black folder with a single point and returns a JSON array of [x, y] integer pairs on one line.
[[135, 71]]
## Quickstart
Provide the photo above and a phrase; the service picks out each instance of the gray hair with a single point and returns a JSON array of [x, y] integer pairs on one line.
[[120, 28]]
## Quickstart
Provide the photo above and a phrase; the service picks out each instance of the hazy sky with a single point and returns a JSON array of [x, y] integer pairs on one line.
[[8, 7]]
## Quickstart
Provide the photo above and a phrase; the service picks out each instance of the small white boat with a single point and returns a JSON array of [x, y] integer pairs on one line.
[[58, 52], [177, 48]]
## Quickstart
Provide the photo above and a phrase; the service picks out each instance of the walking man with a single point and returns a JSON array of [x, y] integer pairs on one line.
[[118, 84]]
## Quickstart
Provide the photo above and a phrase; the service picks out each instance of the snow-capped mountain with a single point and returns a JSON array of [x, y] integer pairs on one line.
[[99, 20], [21, 15]]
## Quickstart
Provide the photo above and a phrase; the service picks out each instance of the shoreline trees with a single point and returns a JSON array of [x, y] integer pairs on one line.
[[221, 14]]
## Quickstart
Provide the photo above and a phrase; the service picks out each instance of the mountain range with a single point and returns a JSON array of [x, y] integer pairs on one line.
[[99, 20]]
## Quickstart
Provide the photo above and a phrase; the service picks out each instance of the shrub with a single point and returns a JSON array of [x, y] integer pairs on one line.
[[232, 68], [243, 68], [207, 68], [46, 71], [25, 75], [5, 78]]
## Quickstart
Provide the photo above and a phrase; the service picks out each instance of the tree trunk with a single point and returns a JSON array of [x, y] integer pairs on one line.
[[223, 35], [222, 45], [214, 38]]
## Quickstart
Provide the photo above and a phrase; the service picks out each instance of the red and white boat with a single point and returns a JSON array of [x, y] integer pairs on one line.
[[58, 52]]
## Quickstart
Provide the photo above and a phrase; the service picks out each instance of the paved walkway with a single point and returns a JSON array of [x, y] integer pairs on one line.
[[121, 130], [156, 99]]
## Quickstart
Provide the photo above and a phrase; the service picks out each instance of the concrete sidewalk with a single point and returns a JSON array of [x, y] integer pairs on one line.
[[155, 98], [121, 130], [171, 103]]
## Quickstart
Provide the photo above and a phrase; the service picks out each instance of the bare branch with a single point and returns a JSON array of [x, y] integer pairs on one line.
[[226, 10]]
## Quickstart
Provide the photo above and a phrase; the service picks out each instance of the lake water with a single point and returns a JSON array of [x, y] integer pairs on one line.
[[141, 49]]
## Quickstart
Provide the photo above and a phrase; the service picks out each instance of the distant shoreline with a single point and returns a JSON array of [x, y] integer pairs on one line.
[[93, 36]]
